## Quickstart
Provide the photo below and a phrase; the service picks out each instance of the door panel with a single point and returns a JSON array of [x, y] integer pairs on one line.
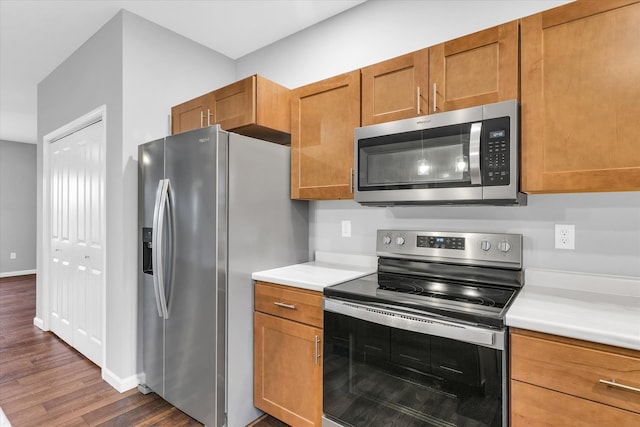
[[61, 280], [191, 284], [89, 205], [476, 69], [151, 160], [77, 239], [323, 116]]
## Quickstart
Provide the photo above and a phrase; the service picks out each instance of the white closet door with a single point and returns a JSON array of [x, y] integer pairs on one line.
[[77, 275], [61, 279]]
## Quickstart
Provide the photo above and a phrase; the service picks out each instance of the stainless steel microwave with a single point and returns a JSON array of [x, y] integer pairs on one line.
[[467, 156]]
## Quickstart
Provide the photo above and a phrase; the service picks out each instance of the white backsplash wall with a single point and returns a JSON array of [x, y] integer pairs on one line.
[[607, 228]]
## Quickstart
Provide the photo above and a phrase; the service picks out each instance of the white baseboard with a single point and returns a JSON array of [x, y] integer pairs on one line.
[[17, 273], [120, 384], [38, 322]]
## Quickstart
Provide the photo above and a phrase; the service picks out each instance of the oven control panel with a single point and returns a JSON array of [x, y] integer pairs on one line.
[[493, 249], [440, 242]]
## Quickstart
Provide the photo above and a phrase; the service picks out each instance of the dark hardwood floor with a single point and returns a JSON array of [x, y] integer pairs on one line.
[[45, 382]]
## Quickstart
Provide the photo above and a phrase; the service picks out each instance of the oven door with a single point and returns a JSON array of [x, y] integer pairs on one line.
[[386, 367]]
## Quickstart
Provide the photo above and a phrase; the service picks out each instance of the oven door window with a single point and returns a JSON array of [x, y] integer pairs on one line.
[[430, 158], [375, 375]]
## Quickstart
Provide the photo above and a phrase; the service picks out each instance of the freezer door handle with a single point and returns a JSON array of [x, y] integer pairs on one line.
[[164, 203], [156, 244], [162, 200]]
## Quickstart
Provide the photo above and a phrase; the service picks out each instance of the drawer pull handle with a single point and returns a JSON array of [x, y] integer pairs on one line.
[[613, 383], [284, 305], [317, 341]]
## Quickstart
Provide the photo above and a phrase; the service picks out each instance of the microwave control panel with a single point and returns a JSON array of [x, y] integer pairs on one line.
[[496, 152]]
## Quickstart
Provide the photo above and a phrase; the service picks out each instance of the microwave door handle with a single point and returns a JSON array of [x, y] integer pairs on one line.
[[474, 153]]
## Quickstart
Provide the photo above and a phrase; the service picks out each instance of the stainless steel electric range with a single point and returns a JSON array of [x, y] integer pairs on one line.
[[422, 342]]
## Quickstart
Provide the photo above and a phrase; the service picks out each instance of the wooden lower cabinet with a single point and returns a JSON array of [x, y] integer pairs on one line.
[[287, 359], [556, 381], [537, 406]]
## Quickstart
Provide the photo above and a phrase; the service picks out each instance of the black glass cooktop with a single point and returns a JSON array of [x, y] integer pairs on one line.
[[484, 304], [455, 292]]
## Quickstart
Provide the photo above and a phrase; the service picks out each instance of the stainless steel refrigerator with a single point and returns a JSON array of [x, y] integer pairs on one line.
[[213, 207]]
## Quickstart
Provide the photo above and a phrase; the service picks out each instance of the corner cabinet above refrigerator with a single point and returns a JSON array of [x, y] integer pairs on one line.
[[213, 207]]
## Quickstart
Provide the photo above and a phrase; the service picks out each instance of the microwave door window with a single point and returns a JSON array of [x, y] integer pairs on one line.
[[422, 162]]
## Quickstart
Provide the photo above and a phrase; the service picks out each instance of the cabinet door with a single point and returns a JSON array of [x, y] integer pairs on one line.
[[323, 117], [235, 104], [477, 69], [255, 107], [288, 370], [581, 98], [576, 368], [395, 89], [539, 406], [193, 114]]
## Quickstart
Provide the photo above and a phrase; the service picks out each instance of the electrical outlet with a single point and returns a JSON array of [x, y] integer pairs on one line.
[[346, 228], [12, 255], [565, 236]]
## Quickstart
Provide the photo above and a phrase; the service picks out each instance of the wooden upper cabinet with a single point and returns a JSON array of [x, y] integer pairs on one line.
[[193, 114], [581, 98], [254, 106], [395, 89], [323, 117], [476, 69]]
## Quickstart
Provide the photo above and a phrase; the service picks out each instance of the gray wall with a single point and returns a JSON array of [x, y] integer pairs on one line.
[[138, 70], [89, 78], [607, 224], [17, 208]]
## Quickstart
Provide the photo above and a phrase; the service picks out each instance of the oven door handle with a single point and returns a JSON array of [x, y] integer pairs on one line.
[[421, 324]]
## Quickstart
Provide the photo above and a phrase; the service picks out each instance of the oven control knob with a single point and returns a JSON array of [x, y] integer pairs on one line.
[[485, 245], [400, 241], [386, 240], [504, 246]]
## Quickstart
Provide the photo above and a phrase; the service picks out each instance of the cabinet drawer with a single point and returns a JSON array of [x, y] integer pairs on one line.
[[296, 304], [576, 367], [537, 406]]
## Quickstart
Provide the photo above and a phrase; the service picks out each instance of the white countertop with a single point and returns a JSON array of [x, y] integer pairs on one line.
[[598, 308], [327, 269]]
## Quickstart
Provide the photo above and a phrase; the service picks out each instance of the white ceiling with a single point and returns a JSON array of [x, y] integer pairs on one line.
[[37, 35]]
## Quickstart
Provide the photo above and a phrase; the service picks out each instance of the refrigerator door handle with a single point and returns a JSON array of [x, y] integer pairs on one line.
[[164, 200], [156, 244]]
